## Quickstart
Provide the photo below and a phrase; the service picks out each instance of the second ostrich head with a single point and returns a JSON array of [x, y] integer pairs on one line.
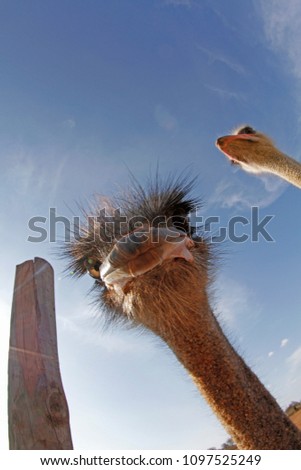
[[254, 152]]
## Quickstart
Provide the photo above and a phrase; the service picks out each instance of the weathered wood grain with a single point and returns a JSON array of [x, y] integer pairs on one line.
[[37, 407]]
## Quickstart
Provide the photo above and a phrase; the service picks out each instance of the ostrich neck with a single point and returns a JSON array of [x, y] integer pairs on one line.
[[286, 167], [232, 390], [241, 402]]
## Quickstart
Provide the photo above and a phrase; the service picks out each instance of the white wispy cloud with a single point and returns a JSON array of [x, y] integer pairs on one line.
[[283, 342], [271, 354], [57, 178], [23, 174], [214, 56], [235, 192], [282, 26], [282, 29], [122, 341], [294, 361], [291, 378], [30, 174], [233, 302], [227, 94]]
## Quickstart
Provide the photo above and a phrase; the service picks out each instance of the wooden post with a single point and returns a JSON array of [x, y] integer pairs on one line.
[[38, 413]]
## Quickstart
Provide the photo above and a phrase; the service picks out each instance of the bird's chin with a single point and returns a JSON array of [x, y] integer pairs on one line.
[[132, 259], [232, 159]]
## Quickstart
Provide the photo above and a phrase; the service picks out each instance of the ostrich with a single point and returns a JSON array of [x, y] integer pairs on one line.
[[152, 268], [256, 153]]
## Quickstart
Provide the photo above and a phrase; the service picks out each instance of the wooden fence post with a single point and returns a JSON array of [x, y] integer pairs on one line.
[[38, 413]]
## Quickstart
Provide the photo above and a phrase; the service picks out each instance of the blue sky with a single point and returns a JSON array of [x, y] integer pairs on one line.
[[91, 88]]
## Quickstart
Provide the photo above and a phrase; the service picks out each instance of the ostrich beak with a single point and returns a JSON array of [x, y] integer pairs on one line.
[[131, 258], [222, 142]]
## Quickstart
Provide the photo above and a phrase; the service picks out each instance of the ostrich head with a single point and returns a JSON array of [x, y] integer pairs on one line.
[[252, 150], [142, 251]]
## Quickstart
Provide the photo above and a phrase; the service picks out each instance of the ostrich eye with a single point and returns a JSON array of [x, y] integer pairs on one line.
[[246, 130], [92, 267]]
